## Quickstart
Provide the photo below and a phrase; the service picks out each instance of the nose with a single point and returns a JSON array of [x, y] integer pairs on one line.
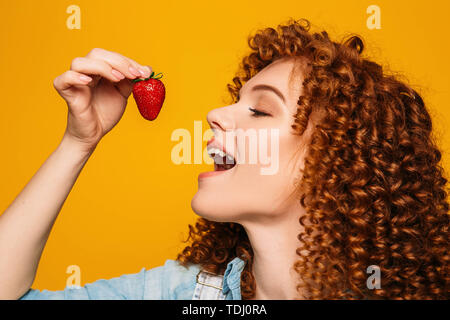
[[221, 119]]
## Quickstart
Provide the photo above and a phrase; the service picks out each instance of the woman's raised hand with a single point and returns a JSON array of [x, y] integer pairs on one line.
[[96, 90]]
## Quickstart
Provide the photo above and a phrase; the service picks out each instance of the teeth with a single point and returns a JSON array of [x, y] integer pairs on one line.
[[229, 160], [218, 156], [213, 151], [216, 151]]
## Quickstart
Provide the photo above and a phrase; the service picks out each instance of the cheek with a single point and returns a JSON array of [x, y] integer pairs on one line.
[[259, 148], [290, 160], [272, 181], [277, 153]]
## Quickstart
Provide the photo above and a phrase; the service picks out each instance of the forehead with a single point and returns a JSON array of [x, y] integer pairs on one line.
[[285, 74]]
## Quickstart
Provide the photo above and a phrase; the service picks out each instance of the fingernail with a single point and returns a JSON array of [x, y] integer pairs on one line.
[[117, 74], [134, 71], [85, 78], [149, 71], [144, 73]]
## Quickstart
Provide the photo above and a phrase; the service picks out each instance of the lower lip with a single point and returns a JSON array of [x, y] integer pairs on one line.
[[210, 174]]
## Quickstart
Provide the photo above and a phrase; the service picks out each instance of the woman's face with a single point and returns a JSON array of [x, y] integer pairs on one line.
[[255, 189]]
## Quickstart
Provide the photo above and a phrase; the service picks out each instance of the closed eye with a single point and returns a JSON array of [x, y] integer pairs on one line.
[[257, 113]]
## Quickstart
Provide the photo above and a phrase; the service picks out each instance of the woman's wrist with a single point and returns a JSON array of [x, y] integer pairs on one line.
[[75, 147]]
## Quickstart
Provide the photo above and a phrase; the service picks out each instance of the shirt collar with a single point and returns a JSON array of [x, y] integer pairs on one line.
[[232, 278]]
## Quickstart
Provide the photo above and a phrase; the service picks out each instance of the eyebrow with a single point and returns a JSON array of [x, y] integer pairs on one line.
[[269, 88]]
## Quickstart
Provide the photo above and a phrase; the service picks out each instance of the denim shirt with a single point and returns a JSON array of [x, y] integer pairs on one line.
[[171, 281]]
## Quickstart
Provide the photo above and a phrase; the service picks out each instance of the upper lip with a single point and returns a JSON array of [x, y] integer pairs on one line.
[[213, 143]]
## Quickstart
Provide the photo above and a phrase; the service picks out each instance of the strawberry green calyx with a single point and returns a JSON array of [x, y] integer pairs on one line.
[[152, 76]]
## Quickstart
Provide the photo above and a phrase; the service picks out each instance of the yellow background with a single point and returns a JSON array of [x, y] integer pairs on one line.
[[131, 205]]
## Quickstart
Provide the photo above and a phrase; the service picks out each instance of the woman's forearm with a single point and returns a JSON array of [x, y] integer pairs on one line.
[[26, 223]]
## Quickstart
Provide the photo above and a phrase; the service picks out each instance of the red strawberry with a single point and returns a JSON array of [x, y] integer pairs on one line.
[[149, 95]]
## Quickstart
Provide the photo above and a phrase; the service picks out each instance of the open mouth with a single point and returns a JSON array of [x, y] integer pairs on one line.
[[222, 161]]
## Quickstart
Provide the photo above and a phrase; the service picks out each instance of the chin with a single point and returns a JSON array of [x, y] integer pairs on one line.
[[206, 206]]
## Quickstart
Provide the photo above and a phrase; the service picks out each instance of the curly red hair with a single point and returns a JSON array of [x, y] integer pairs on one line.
[[372, 186]]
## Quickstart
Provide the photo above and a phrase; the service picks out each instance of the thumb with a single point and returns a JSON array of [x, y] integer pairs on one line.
[[125, 87]]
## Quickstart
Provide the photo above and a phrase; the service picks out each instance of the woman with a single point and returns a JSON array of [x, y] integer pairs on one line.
[[358, 184]]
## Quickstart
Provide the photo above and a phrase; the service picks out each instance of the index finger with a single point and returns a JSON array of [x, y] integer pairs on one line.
[[127, 66]]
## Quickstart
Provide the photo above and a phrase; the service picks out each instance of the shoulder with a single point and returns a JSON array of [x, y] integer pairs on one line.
[[171, 281]]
